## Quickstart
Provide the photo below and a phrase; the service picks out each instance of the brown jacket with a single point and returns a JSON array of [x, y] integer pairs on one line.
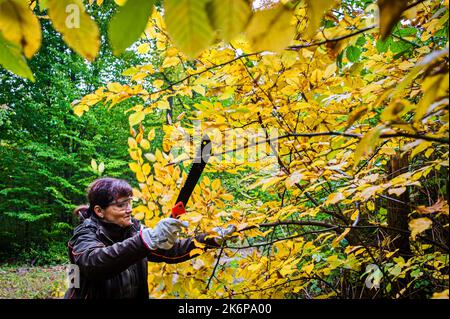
[[113, 260]]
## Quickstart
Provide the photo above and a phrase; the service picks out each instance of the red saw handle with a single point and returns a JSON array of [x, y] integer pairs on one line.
[[178, 210]]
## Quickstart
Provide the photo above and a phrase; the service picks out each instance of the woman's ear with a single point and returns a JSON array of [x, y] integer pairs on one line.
[[99, 211]]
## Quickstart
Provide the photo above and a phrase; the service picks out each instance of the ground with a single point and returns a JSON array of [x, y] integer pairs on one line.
[[32, 282]]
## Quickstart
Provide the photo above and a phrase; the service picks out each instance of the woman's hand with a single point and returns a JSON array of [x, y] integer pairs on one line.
[[164, 235]]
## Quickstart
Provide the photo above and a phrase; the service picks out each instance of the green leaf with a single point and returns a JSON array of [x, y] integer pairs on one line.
[[353, 53], [361, 41], [188, 25], [129, 23], [407, 32], [383, 45], [12, 59], [400, 47], [229, 17]]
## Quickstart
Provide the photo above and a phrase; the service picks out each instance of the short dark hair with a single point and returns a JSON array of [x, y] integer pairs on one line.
[[103, 192]]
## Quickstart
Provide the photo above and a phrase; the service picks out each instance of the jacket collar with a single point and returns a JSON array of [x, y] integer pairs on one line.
[[111, 231]]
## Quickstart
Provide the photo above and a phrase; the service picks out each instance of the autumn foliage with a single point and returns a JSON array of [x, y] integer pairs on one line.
[[347, 103]]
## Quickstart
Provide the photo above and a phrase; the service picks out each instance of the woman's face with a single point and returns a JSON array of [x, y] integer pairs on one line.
[[119, 212]]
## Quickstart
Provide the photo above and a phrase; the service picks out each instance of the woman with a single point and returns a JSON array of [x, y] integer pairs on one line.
[[111, 248]]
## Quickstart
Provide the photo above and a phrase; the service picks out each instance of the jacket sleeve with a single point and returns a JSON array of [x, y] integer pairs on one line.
[[180, 251], [97, 261]]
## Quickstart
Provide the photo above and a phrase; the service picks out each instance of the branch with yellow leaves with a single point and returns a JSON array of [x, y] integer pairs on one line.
[[328, 227], [309, 45], [440, 140]]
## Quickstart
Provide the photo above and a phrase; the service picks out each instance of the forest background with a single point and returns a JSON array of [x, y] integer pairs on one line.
[[337, 170]]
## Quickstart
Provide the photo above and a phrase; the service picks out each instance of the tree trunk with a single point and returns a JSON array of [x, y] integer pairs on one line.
[[399, 209]]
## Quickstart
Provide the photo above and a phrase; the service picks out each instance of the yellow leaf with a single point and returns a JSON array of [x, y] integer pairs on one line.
[[160, 45], [163, 105], [271, 181], [101, 167], [150, 157], [188, 25], [199, 244], [330, 70], [316, 77], [145, 144], [170, 61], [254, 267], [140, 177], [405, 65], [215, 184], [419, 225], [397, 191], [370, 206], [79, 109], [337, 240], [355, 214], [78, 29], [94, 164], [194, 217], [420, 148], [229, 17], [334, 198], [271, 29], [146, 169], [317, 8], [19, 25], [132, 142], [196, 251], [134, 166], [143, 48], [293, 179], [440, 295], [395, 110], [227, 197], [367, 144], [369, 192], [158, 83], [171, 52], [206, 181], [355, 115], [199, 89], [139, 216], [151, 135], [308, 268], [136, 118], [114, 87], [432, 87], [440, 206]]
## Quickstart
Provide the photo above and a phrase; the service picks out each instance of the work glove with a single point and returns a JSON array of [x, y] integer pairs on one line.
[[223, 234], [164, 235]]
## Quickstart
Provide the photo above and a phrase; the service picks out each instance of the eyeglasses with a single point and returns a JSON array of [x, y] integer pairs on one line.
[[124, 203]]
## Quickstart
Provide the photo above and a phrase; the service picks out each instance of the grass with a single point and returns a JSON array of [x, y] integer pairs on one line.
[[32, 282]]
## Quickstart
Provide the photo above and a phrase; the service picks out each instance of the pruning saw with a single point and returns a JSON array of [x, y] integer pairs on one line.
[[198, 164]]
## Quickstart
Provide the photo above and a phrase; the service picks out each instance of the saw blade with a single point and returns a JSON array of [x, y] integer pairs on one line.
[[199, 163]]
